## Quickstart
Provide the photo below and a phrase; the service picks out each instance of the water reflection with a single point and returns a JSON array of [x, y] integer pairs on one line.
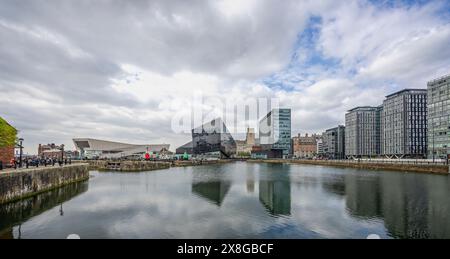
[[250, 183], [211, 185], [212, 191], [410, 205], [275, 193], [238, 200], [13, 214]]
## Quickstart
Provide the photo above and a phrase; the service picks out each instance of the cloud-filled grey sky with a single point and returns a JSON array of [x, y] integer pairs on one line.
[[114, 69]]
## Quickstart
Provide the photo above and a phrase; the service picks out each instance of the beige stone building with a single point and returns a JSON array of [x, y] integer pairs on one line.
[[245, 146]]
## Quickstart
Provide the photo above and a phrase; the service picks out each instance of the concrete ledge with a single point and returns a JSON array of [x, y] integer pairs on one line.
[[433, 169], [22, 183], [139, 166], [181, 163]]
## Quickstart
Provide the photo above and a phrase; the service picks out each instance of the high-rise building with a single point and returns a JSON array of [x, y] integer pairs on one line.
[[439, 117], [275, 130], [334, 143], [363, 131], [213, 138], [404, 124]]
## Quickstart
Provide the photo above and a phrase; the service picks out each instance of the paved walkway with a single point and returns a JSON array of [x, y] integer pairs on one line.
[[23, 169]]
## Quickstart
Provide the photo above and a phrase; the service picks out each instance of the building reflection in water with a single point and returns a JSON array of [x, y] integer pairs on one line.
[[410, 205], [250, 182], [13, 214], [211, 185], [275, 193]]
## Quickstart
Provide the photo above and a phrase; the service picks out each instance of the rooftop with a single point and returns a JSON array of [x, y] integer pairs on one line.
[[445, 77], [406, 91], [364, 108]]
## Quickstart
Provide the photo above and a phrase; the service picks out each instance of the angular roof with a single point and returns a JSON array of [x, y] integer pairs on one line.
[[216, 125], [104, 145]]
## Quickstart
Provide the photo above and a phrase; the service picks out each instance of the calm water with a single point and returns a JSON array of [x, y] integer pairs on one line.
[[238, 200]]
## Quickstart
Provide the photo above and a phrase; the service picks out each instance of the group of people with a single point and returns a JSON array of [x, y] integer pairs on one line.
[[43, 161]]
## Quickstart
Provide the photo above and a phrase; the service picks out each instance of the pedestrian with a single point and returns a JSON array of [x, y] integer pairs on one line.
[[26, 162], [12, 163]]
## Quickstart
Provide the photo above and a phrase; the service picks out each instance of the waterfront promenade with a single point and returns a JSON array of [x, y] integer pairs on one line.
[[418, 166]]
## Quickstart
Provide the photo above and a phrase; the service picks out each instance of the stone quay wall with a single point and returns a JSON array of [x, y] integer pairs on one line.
[[22, 183], [418, 168], [126, 166], [138, 166]]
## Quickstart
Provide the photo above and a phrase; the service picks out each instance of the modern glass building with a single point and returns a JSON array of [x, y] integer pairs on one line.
[[439, 117], [363, 132], [404, 124], [275, 130], [213, 139], [333, 145]]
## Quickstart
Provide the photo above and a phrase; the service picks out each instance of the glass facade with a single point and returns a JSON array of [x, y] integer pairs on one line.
[[439, 117], [213, 137], [275, 130], [334, 143]]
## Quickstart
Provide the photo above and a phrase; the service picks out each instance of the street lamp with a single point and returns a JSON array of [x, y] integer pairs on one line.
[[62, 153], [20, 152]]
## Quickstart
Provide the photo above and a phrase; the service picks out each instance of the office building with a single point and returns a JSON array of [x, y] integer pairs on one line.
[[320, 146], [334, 143], [438, 103], [275, 131], [185, 149], [363, 132], [213, 139], [404, 124]]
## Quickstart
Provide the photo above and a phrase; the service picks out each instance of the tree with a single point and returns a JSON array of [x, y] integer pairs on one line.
[[8, 134]]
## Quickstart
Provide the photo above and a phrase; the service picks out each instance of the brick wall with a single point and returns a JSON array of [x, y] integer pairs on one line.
[[6, 154]]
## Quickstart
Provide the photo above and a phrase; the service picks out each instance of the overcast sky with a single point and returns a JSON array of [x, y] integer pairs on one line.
[[120, 70]]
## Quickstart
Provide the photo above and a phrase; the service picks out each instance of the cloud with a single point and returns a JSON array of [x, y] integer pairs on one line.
[[122, 70]]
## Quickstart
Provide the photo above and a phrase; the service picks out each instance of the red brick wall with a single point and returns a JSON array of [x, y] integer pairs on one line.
[[6, 154]]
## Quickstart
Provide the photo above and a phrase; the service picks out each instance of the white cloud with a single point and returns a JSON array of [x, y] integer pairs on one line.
[[122, 71]]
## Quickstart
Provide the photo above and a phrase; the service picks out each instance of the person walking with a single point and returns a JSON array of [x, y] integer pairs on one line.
[[13, 163]]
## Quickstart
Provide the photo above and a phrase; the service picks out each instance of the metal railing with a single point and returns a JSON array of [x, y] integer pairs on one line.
[[388, 161]]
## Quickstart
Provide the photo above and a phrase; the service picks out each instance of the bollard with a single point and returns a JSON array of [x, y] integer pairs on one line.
[[1, 165]]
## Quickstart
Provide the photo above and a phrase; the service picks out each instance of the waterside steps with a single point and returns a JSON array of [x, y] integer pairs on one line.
[[113, 166]]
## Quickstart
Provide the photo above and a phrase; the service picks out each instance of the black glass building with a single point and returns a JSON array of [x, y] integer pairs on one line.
[[213, 137]]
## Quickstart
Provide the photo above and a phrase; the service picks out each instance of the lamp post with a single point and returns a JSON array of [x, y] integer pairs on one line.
[[433, 144], [62, 153], [20, 152]]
